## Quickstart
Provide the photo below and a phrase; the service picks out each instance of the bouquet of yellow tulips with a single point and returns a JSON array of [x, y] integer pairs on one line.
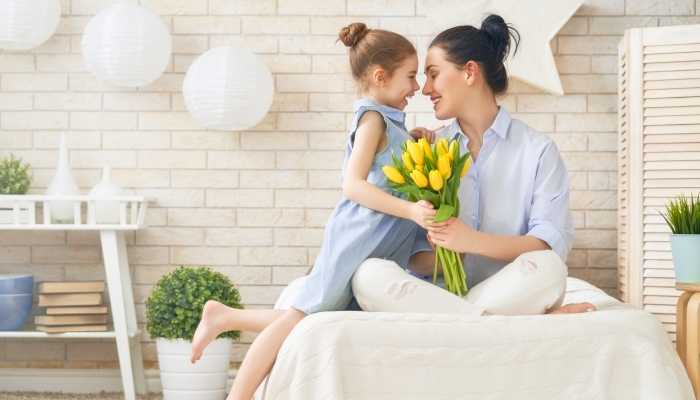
[[433, 174]]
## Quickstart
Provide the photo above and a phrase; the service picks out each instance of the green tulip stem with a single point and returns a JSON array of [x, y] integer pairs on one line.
[[436, 267]]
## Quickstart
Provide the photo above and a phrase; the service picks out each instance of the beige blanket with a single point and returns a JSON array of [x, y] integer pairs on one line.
[[617, 352]]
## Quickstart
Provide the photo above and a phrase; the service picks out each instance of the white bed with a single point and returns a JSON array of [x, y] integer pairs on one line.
[[617, 352]]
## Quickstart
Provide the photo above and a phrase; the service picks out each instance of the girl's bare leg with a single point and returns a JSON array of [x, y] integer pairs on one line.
[[262, 355], [218, 318]]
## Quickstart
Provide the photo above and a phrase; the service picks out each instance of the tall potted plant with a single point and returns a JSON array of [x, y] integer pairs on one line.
[[683, 217], [173, 311]]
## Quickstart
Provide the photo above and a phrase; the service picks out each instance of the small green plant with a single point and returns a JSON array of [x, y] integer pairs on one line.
[[14, 178], [683, 215], [174, 308]]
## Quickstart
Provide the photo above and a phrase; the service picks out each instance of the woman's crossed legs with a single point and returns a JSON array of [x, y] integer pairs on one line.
[[535, 283]]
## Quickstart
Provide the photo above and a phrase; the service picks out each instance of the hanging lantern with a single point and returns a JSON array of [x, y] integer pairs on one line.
[[126, 45], [25, 24], [228, 89]]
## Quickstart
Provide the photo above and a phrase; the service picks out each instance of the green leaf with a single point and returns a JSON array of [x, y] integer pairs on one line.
[[444, 213], [448, 195], [432, 197], [409, 190]]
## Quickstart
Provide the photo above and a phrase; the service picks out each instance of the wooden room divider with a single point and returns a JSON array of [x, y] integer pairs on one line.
[[659, 158]]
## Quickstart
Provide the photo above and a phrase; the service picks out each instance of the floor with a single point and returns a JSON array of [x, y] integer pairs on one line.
[[73, 396]]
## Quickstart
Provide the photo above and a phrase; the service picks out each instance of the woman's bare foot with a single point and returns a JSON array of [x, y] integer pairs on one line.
[[574, 308], [211, 325]]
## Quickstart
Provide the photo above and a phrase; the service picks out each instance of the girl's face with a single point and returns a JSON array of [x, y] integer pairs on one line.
[[445, 84], [402, 85]]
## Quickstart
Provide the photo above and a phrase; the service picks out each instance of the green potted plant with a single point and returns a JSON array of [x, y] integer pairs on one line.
[[14, 180], [173, 311], [683, 217]]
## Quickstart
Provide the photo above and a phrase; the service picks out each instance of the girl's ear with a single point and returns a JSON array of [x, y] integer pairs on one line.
[[379, 77], [471, 71]]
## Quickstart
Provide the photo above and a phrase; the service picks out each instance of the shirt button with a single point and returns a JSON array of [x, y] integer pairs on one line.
[[474, 184], [473, 217], [481, 158]]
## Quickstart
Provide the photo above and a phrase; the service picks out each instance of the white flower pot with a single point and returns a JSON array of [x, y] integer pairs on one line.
[[182, 380], [107, 212], [62, 184]]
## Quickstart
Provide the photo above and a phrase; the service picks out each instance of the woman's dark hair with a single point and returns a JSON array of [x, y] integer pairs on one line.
[[489, 47]]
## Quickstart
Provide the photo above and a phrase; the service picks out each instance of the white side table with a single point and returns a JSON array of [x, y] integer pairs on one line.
[[126, 330]]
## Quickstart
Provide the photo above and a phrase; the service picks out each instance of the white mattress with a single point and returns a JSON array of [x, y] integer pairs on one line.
[[618, 352]]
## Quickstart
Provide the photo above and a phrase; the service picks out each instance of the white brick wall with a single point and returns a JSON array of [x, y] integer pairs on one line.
[[253, 204]]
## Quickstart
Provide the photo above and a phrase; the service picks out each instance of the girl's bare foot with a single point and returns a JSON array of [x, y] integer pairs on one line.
[[574, 308], [211, 325]]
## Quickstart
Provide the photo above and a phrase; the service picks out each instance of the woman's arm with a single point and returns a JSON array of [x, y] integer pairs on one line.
[[458, 236], [370, 131]]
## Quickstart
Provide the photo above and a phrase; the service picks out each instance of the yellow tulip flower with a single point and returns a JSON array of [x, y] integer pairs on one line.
[[407, 161], [416, 152], [444, 166], [435, 179], [466, 167], [451, 151], [442, 146], [393, 174], [426, 148], [419, 178]]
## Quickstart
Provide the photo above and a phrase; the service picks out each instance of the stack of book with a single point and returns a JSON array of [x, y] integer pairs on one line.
[[71, 307]]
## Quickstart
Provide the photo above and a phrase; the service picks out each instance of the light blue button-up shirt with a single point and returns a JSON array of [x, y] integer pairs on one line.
[[517, 186]]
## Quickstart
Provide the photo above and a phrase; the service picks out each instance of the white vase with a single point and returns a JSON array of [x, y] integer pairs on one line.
[[107, 212], [182, 380], [62, 185]]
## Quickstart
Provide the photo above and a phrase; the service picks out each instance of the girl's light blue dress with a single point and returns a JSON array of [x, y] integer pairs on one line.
[[355, 233]]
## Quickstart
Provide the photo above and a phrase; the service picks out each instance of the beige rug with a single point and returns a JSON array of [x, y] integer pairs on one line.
[[73, 396]]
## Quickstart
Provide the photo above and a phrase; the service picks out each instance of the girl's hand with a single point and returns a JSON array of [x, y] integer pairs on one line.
[[454, 235], [420, 132], [422, 211]]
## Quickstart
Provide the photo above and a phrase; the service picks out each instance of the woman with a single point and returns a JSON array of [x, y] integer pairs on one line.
[[515, 228]]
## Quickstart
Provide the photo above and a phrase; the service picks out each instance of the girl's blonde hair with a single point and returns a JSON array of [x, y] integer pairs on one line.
[[374, 47]]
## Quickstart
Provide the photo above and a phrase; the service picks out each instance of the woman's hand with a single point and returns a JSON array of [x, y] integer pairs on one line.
[[453, 235], [422, 211], [420, 132]]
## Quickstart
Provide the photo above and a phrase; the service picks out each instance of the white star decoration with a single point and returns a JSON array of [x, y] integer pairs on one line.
[[538, 21]]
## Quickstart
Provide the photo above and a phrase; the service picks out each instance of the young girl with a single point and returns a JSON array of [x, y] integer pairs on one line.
[[371, 221]]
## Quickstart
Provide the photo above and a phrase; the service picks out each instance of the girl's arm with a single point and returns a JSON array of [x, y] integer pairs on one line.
[[370, 131]]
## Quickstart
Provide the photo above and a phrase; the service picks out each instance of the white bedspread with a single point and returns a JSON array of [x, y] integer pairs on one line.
[[616, 353]]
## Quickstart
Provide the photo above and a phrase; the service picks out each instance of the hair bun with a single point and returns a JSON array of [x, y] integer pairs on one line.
[[500, 33], [353, 33]]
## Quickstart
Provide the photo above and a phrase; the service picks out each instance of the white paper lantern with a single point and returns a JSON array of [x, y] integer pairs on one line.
[[126, 45], [25, 24], [228, 89]]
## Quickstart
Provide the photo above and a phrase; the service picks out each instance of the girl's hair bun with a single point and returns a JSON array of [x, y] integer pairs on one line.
[[353, 33], [500, 33]]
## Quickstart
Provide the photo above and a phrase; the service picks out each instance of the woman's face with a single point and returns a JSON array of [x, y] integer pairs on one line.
[[445, 84]]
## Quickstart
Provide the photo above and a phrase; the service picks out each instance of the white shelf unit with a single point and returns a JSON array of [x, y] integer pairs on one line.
[[132, 217], [659, 153]]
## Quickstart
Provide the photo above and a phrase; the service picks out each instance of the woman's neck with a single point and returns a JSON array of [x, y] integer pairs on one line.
[[474, 120]]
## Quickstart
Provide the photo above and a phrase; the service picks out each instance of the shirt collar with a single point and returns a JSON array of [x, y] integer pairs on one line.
[[389, 112], [500, 125]]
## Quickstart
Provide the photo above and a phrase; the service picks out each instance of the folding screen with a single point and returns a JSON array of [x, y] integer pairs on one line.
[[659, 157]]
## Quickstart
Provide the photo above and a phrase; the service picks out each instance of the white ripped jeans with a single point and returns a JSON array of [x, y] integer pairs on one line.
[[534, 283]]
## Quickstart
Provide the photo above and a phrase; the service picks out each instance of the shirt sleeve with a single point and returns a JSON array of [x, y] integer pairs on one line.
[[550, 217], [420, 243]]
